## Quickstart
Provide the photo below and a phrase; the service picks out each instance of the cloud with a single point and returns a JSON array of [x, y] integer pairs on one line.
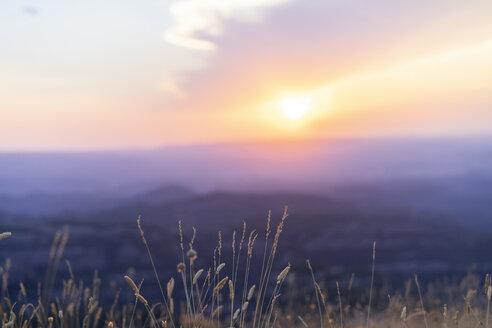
[[196, 21], [307, 44], [172, 89], [31, 10]]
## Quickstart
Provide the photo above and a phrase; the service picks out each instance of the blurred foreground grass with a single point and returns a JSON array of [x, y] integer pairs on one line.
[[224, 294]]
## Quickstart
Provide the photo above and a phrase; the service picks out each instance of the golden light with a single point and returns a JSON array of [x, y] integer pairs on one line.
[[292, 113], [294, 108]]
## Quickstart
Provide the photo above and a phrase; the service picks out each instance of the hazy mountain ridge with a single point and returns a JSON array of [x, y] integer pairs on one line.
[[50, 183], [309, 165]]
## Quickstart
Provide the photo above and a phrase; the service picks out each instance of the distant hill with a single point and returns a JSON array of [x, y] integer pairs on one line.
[[336, 234], [299, 165], [50, 183], [39, 204]]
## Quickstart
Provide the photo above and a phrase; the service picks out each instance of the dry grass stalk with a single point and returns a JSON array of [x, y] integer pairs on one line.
[[340, 305], [421, 301], [489, 294], [139, 225], [317, 293], [372, 283]]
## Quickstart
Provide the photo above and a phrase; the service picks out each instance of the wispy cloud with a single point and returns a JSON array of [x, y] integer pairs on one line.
[[196, 21], [171, 88], [31, 10]]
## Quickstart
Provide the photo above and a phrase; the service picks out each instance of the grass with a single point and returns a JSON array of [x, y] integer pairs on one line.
[[226, 294], [5, 235]]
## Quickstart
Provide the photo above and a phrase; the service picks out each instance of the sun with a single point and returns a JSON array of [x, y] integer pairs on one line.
[[294, 108]]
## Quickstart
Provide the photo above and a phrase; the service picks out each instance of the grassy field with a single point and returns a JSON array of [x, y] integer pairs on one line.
[[225, 294]]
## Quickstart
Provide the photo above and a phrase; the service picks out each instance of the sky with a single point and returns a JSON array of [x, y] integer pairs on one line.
[[81, 75]]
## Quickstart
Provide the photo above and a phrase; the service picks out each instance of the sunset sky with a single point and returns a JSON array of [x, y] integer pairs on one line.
[[78, 75]]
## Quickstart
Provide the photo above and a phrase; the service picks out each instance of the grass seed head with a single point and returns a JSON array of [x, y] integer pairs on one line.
[[220, 267], [231, 290], [251, 292], [4, 235], [236, 314], [197, 276], [283, 274], [216, 311], [403, 315], [220, 285], [470, 294], [170, 287], [132, 284], [181, 267], [142, 299], [192, 254]]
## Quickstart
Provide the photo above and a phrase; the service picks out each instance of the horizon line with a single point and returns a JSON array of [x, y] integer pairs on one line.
[[461, 137]]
